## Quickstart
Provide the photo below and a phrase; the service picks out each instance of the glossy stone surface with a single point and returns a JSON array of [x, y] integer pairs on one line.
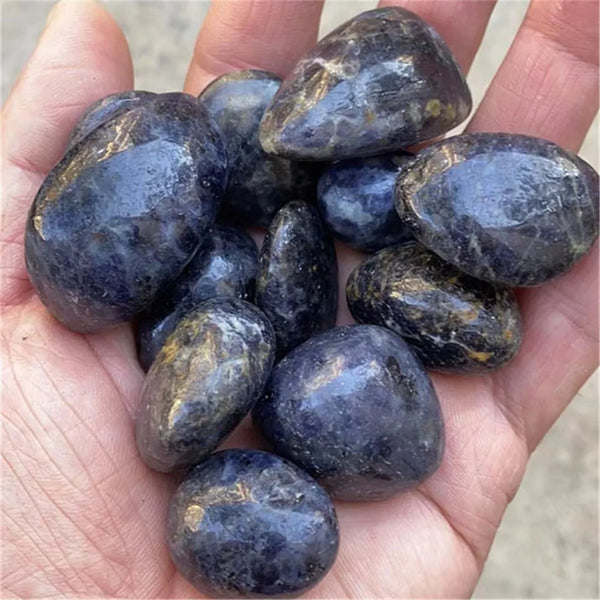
[[226, 264], [246, 522], [452, 321], [356, 199], [203, 382], [104, 109], [123, 212], [259, 184], [355, 409], [382, 81], [297, 283], [504, 208]]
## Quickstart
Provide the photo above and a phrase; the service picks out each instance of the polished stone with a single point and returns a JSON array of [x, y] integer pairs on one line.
[[383, 81], [104, 109], [356, 200], [354, 408], [203, 382], [452, 321], [226, 264], [246, 522], [297, 286], [505, 208], [259, 184], [124, 211]]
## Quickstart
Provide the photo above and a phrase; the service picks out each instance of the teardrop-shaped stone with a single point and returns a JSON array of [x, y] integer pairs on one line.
[[453, 322], [380, 82], [505, 208]]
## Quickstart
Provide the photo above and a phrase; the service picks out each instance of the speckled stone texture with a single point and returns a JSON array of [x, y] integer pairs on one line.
[[297, 285], [259, 184], [356, 199], [452, 321], [104, 109], [248, 523], [354, 408], [504, 208], [123, 212], [226, 264], [203, 382], [382, 81]]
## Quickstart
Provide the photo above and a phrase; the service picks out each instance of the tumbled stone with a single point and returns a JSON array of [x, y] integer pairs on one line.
[[246, 522], [124, 210], [203, 382], [504, 208], [104, 109], [356, 199], [355, 409], [382, 81], [226, 264], [259, 184], [297, 282], [452, 321]]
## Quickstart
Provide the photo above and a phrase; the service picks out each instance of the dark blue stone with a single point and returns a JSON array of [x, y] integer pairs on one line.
[[355, 409], [259, 184], [452, 321], [297, 286], [383, 81], [104, 109], [356, 199], [246, 522], [203, 382], [123, 212], [504, 208], [226, 264]]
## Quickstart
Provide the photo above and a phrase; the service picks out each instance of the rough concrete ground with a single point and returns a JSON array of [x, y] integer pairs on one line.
[[547, 545]]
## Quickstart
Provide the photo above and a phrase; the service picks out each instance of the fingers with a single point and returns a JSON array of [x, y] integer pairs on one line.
[[81, 56], [548, 87], [264, 34], [548, 83], [461, 23]]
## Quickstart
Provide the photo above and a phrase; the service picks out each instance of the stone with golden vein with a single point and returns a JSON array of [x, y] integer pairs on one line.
[[203, 382]]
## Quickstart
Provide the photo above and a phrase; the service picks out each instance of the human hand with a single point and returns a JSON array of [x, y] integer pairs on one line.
[[82, 515]]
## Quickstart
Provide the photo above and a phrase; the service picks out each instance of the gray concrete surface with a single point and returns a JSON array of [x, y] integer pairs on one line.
[[547, 545]]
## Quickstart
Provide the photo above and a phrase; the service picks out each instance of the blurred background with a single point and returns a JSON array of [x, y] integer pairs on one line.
[[547, 545]]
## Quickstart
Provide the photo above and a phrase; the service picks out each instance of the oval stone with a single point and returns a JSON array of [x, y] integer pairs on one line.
[[104, 109], [297, 283], [382, 81], [355, 409], [246, 522], [505, 208], [356, 199], [452, 321], [124, 211], [226, 264], [259, 184], [203, 382]]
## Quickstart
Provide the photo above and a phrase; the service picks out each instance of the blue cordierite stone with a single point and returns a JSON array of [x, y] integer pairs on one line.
[[355, 409], [123, 212], [226, 264], [453, 322], [356, 199], [259, 184], [383, 81], [504, 208], [297, 285], [248, 523]]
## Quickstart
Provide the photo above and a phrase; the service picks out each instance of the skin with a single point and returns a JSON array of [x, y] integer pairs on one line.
[[82, 515]]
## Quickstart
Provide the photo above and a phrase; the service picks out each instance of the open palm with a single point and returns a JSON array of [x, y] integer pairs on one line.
[[82, 515]]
